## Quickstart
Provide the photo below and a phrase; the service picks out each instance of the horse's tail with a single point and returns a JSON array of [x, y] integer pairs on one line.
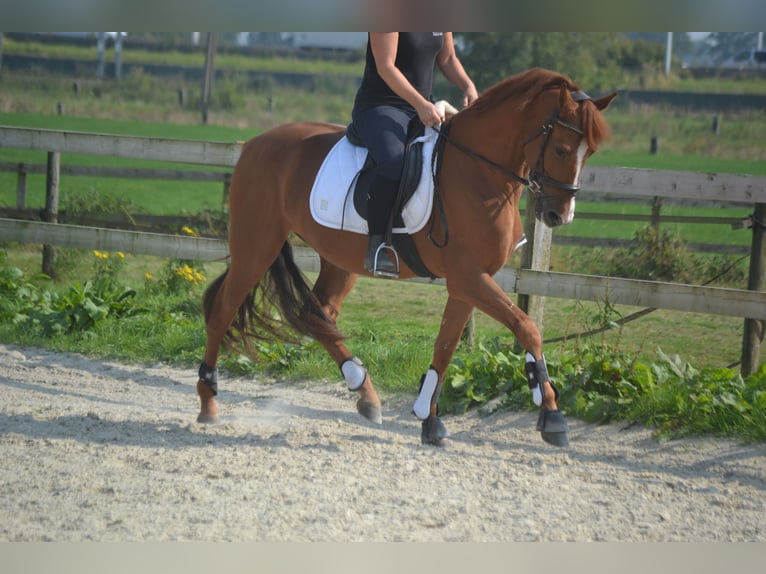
[[281, 300]]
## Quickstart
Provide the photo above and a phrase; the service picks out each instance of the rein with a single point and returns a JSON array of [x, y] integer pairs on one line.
[[468, 151], [537, 178], [436, 162]]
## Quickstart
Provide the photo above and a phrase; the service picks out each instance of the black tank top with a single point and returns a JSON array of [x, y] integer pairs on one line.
[[415, 57]]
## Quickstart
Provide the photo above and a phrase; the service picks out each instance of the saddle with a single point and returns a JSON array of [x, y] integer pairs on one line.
[[411, 172], [338, 197]]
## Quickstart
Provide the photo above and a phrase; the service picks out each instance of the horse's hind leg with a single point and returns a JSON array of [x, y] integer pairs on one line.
[[331, 288], [222, 300]]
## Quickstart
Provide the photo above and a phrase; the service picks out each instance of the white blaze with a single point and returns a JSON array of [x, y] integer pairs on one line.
[[581, 151]]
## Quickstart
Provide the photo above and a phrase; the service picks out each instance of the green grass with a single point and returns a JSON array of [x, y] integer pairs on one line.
[[718, 233], [151, 196], [716, 85], [667, 162], [191, 131], [392, 325], [189, 59]]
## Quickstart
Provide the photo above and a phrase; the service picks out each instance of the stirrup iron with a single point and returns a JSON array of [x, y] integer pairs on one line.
[[378, 272]]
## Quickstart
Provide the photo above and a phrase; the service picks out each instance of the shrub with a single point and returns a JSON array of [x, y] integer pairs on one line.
[[494, 372], [599, 384], [656, 256], [660, 256], [76, 310]]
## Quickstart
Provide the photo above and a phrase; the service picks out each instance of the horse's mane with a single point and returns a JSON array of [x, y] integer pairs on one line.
[[525, 87]]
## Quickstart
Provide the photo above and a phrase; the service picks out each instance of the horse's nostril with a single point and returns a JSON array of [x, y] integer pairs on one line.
[[554, 218]]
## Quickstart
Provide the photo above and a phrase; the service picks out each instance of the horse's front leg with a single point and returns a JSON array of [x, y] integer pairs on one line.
[[483, 293], [456, 315]]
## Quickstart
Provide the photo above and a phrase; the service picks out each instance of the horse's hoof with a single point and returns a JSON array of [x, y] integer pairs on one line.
[[208, 419], [553, 427], [433, 431], [371, 411]]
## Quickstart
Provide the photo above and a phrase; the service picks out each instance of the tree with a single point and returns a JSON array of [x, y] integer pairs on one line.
[[723, 45], [596, 61], [683, 45]]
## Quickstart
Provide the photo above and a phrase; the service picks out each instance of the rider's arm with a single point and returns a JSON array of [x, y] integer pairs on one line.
[[453, 70], [384, 47]]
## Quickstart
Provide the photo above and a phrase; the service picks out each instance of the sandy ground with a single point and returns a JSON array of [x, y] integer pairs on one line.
[[96, 450]]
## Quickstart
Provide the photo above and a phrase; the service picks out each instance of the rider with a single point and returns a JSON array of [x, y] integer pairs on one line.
[[396, 88]]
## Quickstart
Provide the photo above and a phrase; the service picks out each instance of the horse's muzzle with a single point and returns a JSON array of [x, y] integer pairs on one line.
[[554, 212]]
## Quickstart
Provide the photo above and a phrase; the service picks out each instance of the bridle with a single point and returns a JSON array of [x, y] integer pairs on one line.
[[537, 178]]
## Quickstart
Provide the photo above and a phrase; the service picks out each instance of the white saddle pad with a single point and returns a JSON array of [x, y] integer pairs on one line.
[[332, 196]]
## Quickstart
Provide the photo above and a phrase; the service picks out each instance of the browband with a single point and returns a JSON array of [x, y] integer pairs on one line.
[[580, 96]]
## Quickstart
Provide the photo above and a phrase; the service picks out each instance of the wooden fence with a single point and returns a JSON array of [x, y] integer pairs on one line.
[[24, 169], [532, 281], [149, 222]]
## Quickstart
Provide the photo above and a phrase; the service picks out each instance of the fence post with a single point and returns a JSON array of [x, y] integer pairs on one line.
[[752, 336], [207, 84], [226, 188], [469, 331], [656, 206], [51, 208], [118, 56], [21, 187], [101, 48], [536, 255]]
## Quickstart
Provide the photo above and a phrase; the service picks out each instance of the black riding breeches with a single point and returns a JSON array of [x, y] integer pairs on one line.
[[383, 130]]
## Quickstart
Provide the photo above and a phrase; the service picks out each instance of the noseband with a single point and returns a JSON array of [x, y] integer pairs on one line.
[[537, 178]]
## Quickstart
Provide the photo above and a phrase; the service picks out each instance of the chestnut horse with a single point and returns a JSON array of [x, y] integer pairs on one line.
[[535, 129]]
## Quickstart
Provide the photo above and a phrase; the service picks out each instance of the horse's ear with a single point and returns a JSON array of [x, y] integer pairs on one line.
[[603, 103]]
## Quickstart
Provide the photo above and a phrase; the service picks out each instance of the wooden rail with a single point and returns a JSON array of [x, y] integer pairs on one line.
[[161, 149], [22, 169]]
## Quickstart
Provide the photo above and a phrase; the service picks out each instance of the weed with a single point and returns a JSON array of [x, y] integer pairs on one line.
[[75, 310]]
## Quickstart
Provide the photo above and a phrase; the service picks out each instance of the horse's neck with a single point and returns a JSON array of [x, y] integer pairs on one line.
[[496, 140]]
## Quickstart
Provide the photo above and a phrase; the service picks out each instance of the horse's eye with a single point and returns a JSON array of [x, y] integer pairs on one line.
[[561, 151]]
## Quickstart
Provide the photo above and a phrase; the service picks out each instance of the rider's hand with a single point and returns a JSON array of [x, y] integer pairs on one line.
[[429, 114], [470, 96]]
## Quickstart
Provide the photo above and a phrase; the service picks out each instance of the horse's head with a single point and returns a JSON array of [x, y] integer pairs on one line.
[[570, 129]]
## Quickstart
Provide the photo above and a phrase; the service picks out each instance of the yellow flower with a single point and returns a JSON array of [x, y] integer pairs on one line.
[[189, 231], [188, 273], [148, 276], [101, 254], [120, 255]]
